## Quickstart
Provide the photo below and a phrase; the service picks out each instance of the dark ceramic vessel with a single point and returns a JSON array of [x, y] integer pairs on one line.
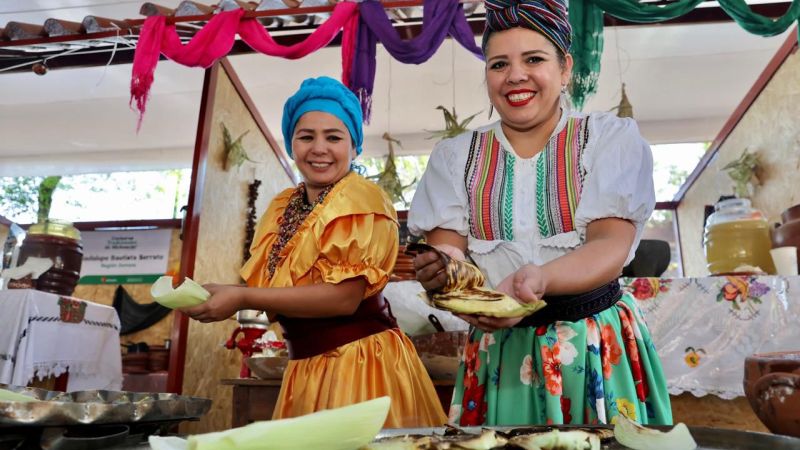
[[772, 386], [788, 234]]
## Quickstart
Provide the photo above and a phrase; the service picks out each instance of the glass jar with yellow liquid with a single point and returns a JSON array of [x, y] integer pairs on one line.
[[737, 239]]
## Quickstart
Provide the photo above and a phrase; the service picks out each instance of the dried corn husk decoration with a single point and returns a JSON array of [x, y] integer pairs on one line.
[[389, 180], [464, 291], [624, 109], [234, 154], [745, 172], [452, 127]]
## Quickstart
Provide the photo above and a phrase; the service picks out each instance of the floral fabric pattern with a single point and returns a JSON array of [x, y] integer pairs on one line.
[[588, 371], [705, 327]]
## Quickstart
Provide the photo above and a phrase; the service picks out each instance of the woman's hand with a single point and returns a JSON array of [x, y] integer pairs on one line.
[[224, 302], [528, 283], [489, 324], [430, 268]]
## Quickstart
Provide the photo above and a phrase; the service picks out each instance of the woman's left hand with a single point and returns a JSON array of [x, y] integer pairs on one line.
[[225, 300], [489, 324]]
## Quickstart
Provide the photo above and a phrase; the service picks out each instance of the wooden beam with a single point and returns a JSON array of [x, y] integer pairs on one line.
[[788, 48], [667, 205], [191, 231], [55, 27], [19, 31]]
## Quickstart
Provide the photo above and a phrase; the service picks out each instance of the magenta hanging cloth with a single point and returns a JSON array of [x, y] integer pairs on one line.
[[216, 39], [259, 39], [440, 18], [212, 42]]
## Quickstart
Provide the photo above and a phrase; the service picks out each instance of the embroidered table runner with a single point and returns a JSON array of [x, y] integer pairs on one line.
[[704, 328], [44, 334]]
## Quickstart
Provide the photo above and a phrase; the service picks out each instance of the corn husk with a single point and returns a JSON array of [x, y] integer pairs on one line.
[[187, 294], [561, 440], [484, 302], [9, 396], [464, 291], [346, 428], [637, 437], [487, 440]]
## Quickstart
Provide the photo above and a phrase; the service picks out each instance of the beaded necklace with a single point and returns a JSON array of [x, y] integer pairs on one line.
[[295, 214]]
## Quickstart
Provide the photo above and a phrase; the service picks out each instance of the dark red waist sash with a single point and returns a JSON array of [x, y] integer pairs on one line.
[[310, 337]]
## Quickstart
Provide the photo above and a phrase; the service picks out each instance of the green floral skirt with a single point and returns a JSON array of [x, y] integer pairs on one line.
[[584, 372]]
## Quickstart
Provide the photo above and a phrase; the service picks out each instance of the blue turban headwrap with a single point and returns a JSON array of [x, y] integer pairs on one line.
[[327, 95], [548, 17]]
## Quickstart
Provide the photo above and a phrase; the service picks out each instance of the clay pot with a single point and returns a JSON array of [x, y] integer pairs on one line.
[[772, 386], [788, 234]]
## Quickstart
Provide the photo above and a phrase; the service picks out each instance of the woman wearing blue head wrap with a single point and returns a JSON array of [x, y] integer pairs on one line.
[[549, 203], [321, 255]]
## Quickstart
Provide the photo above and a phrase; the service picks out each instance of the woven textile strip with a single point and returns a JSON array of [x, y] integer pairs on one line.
[[489, 181], [559, 179]]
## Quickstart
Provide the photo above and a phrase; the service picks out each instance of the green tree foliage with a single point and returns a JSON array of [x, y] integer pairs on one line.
[[19, 196]]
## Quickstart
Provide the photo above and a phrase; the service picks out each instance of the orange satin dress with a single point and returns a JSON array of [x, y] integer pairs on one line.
[[352, 233]]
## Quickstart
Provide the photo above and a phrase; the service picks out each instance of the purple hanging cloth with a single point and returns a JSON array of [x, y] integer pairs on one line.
[[440, 18]]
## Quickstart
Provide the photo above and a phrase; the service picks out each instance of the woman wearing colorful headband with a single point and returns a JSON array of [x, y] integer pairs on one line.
[[321, 255], [550, 203]]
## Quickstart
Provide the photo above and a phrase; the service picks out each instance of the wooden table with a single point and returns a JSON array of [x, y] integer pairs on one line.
[[252, 399]]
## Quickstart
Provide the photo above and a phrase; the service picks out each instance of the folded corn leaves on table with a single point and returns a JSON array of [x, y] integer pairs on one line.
[[464, 291]]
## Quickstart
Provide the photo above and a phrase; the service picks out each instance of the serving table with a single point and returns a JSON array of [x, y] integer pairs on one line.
[[44, 334], [704, 328]]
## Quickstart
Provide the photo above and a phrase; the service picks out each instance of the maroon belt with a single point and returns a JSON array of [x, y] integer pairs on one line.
[[311, 337], [572, 308]]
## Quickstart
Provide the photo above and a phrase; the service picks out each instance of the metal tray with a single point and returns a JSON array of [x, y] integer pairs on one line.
[[97, 407], [706, 438]]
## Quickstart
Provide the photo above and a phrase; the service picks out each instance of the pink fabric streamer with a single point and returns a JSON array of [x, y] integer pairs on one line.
[[216, 39], [349, 39], [144, 63], [212, 42], [254, 34]]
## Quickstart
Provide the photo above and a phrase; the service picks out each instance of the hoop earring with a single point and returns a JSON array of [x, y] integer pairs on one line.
[[491, 110]]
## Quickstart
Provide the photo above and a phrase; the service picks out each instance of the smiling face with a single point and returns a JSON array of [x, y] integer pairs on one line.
[[524, 76], [322, 149]]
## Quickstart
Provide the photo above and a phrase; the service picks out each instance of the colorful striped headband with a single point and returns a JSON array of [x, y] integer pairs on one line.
[[548, 17]]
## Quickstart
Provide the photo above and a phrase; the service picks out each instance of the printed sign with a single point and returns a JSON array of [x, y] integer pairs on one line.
[[124, 256]]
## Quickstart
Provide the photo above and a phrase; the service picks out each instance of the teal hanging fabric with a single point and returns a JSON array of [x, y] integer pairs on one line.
[[633, 11], [758, 24], [586, 18]]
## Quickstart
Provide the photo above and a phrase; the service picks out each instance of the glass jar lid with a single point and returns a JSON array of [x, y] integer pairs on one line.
[[54, 227]]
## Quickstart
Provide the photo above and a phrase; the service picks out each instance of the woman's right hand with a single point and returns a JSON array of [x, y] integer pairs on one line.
[[430, 268]]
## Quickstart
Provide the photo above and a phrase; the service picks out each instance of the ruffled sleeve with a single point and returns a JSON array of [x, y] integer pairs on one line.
[[440, 200], [619, 175], [358, 245]]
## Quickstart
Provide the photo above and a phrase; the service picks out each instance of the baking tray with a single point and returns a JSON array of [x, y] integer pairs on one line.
[[97, 407], [706, 438]]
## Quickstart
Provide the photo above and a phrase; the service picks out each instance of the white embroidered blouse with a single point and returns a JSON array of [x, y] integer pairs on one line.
[[515, 210]]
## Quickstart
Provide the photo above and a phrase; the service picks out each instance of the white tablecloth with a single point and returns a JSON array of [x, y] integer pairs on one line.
[[43, 334], [704, 328]]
